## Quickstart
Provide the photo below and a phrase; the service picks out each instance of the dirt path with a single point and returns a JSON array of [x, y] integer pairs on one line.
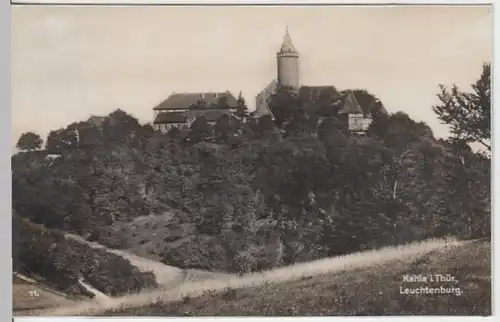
[[98, 295], [166, 276]]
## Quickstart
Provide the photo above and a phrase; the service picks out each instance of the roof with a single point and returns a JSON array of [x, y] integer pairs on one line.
[[350, 105], [368, 102], [287, 46], [313, 93], [184, 101], [211, 115], [171, 117], [262, 107]]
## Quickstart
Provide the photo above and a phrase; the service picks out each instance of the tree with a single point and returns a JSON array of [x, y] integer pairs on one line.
[[200, 130], [468, 190], [468, 113], [120, 126], [88, 135], [174, 133], [264, 126], [29, 141], [399, 131], [222, 102], [223, 129], [61, 140], [285, 106], [242, 110]]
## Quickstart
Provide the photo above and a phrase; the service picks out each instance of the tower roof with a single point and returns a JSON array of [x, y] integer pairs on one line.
[[287, 46], [350, 105]]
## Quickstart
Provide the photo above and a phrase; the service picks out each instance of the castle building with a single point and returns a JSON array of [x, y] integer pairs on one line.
[[288, 77], [351, 113], [180, 110]]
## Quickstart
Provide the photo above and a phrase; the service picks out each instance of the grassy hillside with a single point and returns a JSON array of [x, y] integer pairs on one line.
[[364, 283], [369, 290]]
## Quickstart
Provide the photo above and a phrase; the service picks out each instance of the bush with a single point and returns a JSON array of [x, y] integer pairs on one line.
[[62, 262], [200, 252]]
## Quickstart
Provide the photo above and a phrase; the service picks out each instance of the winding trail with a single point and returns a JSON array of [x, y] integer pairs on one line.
[[98, 295], [167, 276]]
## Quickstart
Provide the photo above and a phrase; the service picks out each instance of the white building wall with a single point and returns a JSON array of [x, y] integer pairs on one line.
[[288, 71], [358, 123]]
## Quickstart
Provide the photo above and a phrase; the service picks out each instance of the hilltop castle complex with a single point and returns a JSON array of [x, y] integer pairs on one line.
[[180, 110]]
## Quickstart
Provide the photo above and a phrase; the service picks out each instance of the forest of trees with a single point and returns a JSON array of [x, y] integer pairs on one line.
[[267, 192]]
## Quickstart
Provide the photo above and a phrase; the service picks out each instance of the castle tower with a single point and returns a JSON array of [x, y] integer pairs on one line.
[[288, 64]]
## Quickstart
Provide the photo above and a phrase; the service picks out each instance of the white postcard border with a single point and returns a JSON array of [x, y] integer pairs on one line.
[[5, 144]]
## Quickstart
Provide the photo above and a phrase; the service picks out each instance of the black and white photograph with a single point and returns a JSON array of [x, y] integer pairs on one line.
[[251, 160]]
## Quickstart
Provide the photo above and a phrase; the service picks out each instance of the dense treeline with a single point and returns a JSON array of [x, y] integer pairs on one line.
[[62, 262], [262, 193]]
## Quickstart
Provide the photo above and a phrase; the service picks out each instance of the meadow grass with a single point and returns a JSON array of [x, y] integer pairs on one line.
[[364, 283]]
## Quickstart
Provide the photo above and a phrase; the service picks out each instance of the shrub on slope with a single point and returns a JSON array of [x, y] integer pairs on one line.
[[170, 238], [151, 233], [61, 262]]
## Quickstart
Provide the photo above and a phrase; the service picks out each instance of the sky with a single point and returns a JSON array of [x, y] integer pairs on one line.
[[71, 62]]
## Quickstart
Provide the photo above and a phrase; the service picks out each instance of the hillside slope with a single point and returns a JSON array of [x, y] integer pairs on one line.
[[62, 262], [29, 295], [374, 290], [357, 284]]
